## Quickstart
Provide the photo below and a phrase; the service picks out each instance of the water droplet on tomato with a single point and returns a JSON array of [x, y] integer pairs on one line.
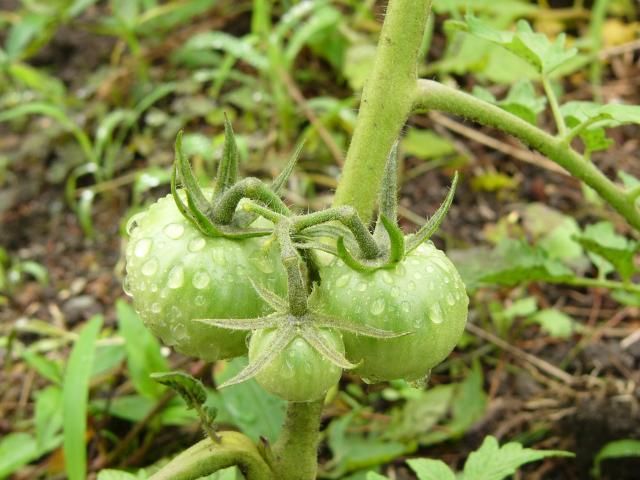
[[342, 281], [377, 307], [421, 383], [411, 285], [174, 230], [417, 275], [176, 277], [155, 308], [199, 300], [386, 277], [150, 267], [395, 292], [142, 248], [196, 244], [362, 287], [435, 314], [405, 307], [450, 300], [201, 279], [430, 269]]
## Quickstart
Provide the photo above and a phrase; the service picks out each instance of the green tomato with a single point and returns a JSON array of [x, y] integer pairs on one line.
[[423, 294], [176, 274], [299, 373]]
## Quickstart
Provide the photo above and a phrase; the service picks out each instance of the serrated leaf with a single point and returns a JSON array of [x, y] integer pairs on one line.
[[190, 389], [493, 462], [521, 101], [427, 469], [609, 115], [535, 48], [426, 144]]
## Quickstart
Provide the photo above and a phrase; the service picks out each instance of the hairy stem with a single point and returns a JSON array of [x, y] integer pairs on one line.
[[385, 105], [432, 95], [555, 108], [296, 451], [206, 457]]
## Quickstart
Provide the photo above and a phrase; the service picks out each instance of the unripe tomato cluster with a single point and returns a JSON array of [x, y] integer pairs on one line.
[[176, 274]]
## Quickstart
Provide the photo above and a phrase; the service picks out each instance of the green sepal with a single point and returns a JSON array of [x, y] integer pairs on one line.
[[388, 196], [228, 167], [281, 180], [188, 178], [352, 262], [312, 336], [429, 228], [244, 324], [396, 240]]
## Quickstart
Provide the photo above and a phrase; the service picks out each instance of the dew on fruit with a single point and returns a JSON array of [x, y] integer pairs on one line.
[[411, 285], [342, 281], [201, 279], [153, 288], [377, 307], [155, 307], [199, 300], [196, 244], [435, 314], [406, 308], [164, 293], [176, 277], [150, 267], [417, 275], [386, 277], [142, 248], [450, 300], [362, 287], [430, 269], [395, 292], [174, 230], [368, 381]]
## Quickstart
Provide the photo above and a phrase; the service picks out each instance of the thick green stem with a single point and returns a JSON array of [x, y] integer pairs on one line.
[[435, 96], [296, 451], [385, 105], [206, 457]]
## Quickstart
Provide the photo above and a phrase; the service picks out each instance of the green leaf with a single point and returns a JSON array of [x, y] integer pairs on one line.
[[616, 449], [355, 451], [431, 469], [241, 48], [467, 407], [190, 389], [534, 48], [135, 408], [247, 405], [603, 242], [143, 351], [426, 144], [610, 115], [75, 394], [375, 476], [521, 100], [326, 18], [555, 323], [16, 450], [48, 416], [110, 474], [23, 32], [46, 368], [358, 63], [492, 462]]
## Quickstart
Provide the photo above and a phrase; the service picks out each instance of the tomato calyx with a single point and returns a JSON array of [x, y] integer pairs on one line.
[[391, 244], [218, 216], [292, 317]]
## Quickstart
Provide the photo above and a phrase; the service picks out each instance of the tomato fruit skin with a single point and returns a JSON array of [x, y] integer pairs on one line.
[[176, 274], [422, 294], [298, 373]]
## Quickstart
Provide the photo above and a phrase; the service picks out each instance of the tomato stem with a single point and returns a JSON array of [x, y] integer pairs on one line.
[[386, 103], [432, 95], [296, 451]]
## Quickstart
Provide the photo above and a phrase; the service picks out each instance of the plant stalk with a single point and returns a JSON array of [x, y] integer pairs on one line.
[[296, 451], [386, 103], [206, 457], [432, 95]]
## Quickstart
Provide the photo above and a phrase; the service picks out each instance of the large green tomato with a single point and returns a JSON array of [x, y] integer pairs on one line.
[[422, 294], [176, 274], [299, 373]]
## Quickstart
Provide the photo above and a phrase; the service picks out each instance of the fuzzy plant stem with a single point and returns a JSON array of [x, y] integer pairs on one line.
[[296, 451], [206, 457], [385, 105], [432, 95]]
